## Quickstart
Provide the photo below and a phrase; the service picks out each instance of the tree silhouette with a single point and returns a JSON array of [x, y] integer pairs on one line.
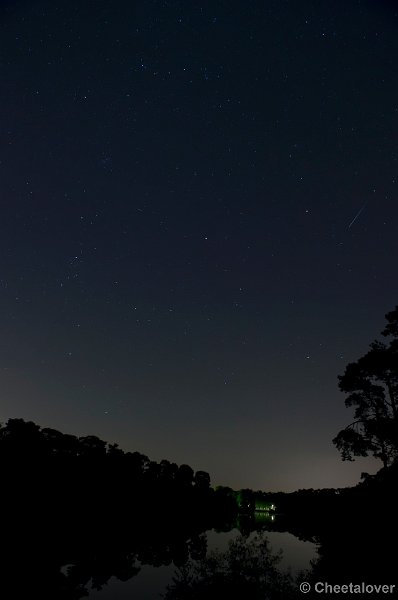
[[248, 569], [102, 512], [372, 385]]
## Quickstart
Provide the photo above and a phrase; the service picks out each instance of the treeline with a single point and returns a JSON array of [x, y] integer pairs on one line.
[[311, 514], [82, 502], [87, 475]]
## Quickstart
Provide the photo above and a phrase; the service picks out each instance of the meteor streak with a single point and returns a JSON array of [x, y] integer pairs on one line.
[[357, 215]]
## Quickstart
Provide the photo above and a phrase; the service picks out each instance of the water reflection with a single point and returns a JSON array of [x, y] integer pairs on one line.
[[219, 554], [247, 569], [248, 560], [79, 515], [140, 559]]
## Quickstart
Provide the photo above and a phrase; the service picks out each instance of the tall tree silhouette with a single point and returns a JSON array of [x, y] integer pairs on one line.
[[372, 385]]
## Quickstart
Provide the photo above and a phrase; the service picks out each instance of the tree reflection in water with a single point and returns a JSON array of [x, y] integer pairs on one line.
[[248, 568], [77, 512]]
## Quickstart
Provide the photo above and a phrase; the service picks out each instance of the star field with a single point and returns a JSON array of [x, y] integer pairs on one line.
[[198, 225]]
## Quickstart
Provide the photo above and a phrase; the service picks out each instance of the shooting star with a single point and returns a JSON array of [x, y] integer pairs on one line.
[[357, 215]]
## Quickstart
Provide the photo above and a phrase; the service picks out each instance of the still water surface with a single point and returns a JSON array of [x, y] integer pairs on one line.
[[151, 582]]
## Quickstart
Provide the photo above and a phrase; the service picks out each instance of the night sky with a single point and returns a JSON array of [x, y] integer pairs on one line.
[[198, 224]]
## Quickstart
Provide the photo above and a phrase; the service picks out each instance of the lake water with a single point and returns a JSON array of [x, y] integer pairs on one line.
[[151, 582]]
